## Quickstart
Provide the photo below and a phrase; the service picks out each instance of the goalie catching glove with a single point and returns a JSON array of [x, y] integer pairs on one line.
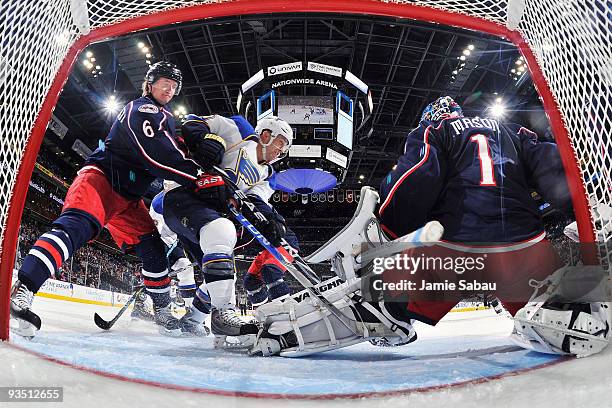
[[294, 329]]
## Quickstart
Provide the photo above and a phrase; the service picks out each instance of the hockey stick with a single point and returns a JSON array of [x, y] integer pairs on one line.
[[106, 325]]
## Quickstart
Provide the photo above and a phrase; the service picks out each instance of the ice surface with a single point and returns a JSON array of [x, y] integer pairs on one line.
[[465, 346]]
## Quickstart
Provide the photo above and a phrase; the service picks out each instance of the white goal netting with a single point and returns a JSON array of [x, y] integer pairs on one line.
[[571, 41]]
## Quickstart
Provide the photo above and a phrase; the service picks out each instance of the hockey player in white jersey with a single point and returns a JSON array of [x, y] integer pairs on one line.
[[201, 220]]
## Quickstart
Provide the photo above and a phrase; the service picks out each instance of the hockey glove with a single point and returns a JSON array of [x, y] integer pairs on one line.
[[212, 190], [209, 151], [274, 230]]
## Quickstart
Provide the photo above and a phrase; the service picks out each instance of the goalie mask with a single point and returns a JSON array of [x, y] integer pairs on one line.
[[442, 108], [279, 129]]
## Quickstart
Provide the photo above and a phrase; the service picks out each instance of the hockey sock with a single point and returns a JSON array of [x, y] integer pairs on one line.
[[201, 305], [273, 277], [158, 287], [151, 250], [45, 258], [256, 289]]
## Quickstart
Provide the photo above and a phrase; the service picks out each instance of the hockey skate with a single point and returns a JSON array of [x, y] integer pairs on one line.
[[230, 331], [21, 303], [168, 324], [192, 327], [140, 311]]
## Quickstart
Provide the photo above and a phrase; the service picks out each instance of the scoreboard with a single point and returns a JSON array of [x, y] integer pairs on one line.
[[328, 108]]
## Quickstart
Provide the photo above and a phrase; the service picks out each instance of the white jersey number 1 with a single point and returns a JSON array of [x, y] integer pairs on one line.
[[487, 176]]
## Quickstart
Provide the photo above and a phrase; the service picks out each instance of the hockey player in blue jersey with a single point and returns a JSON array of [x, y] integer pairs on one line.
[[203, 226], [474, 176], [107, 192]]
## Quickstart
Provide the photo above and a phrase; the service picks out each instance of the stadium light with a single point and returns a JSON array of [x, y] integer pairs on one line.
[[497, 110], [180, 111], [111, 104]]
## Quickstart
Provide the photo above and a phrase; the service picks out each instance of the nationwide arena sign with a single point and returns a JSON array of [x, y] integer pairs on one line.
[[305, 81]]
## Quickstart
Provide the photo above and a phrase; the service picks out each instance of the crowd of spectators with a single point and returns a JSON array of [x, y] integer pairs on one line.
[[62, 171]]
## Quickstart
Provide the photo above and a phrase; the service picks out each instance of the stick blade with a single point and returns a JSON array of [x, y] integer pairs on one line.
[[101, 323]]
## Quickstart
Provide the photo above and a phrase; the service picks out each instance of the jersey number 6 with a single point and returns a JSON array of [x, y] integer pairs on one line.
[[147, 129], [487, 176]]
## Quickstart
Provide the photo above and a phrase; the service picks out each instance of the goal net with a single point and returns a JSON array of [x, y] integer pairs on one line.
[[566, 43]]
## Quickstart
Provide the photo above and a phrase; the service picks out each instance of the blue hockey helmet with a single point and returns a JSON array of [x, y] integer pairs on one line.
[[442, 108]]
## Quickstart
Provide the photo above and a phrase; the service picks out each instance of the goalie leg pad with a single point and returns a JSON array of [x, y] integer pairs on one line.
[[308, 327], [570, 316], [579, 329]]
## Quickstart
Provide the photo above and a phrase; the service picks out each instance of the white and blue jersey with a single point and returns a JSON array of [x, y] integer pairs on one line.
[[240, 158]]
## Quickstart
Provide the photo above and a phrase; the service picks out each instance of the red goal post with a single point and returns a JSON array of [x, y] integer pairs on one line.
[[566, 44]]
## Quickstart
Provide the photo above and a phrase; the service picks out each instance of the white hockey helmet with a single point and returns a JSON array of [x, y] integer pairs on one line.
[[277, 127]]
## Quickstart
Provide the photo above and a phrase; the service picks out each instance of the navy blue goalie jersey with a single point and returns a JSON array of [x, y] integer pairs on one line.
[[141, 146], [475, 176]]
